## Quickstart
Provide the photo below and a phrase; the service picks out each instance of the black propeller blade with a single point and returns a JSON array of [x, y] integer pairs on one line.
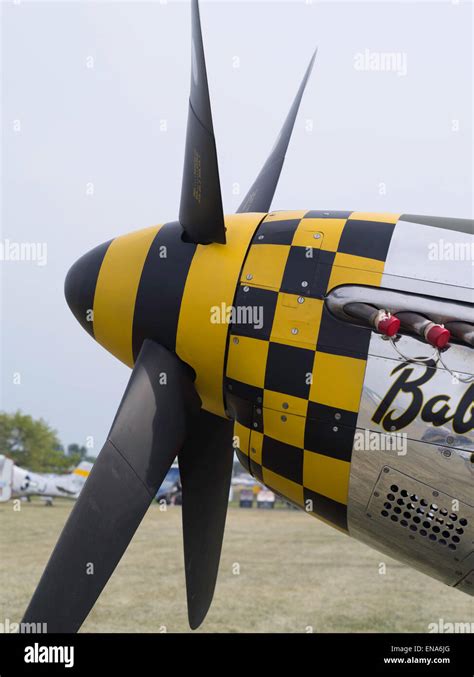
[[157, 411], [259, 197], [200, 213], [205, 464]]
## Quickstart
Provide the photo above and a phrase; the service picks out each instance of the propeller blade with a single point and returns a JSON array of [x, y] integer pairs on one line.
[[259, 197], [205, 464], [200, 212], [150, 427]]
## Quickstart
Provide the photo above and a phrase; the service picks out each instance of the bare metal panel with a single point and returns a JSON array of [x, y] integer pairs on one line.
[[444, 222], [415, 501], [418, 523], [434, 463], [421, 252], [467, 583]]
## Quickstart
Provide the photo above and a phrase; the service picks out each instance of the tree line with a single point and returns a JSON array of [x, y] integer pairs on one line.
[[33, 444]]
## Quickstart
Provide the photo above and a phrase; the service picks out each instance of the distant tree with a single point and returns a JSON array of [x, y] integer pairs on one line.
[[31, 443], [77, 451]]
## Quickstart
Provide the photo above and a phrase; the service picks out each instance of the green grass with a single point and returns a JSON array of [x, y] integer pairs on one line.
[[294, 572]]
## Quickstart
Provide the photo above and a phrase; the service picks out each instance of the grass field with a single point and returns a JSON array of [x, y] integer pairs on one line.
[[281, 571]]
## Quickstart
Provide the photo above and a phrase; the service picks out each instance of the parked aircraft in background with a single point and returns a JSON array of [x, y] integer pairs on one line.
[[170, 490], [16, 482]]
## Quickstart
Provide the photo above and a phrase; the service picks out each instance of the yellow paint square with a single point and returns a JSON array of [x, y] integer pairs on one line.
[[256, 444], [293, 405], [327, 476], [265, 265], [303, 317], [382, 217], [362, 262], [307, 235], [283, 427], [340, 275], [247, 360], [290, 490], [241, 437], [286, 215], [331, 230], [337, 381]]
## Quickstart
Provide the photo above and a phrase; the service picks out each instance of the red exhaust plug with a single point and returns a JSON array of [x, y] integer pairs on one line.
[[388, 325], [437, 335]]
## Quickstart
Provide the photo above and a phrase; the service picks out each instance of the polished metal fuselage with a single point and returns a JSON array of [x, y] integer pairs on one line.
[[415, 501]]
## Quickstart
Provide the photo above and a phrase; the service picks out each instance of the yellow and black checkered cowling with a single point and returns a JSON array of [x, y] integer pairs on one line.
[[294, 380], [284, 369]]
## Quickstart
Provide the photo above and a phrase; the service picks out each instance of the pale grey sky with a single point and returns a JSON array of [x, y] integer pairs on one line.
[[66, 125]]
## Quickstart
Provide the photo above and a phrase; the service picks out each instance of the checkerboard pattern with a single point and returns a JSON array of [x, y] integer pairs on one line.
[[294, 374]]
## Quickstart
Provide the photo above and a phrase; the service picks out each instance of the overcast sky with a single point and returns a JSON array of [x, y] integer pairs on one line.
[[86, 89]]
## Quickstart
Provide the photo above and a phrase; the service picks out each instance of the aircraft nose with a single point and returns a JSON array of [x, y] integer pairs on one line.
[[80, 284]]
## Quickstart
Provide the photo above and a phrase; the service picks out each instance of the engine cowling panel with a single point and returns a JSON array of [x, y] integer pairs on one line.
[[316, 397]]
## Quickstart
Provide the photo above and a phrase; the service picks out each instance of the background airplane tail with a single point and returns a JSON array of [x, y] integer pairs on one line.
[[81, 472]]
